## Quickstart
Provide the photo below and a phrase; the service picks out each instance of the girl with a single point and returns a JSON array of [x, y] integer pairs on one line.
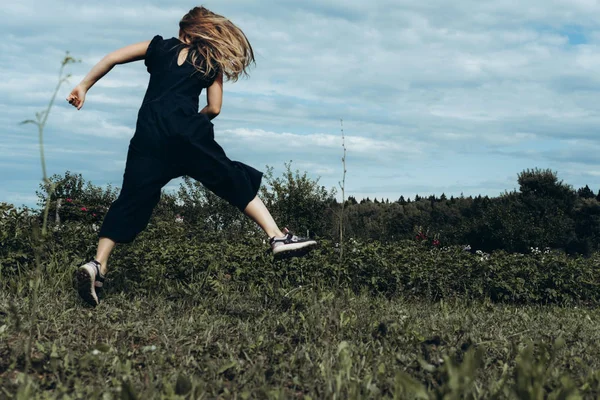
[[173, 139]]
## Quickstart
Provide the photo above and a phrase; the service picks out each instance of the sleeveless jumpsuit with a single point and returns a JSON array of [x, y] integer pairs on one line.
[[173, 139]]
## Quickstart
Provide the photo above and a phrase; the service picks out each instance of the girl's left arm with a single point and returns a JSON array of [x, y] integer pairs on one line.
[[133, 52], [214, 98]]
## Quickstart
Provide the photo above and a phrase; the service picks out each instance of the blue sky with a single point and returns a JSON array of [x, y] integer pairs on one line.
[[435, 96]]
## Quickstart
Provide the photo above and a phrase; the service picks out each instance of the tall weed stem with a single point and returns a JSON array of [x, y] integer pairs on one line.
[[39, 237]]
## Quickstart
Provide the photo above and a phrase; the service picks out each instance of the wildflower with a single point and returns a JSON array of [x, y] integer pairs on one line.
[[436, 242], [535, 250], [83, 209], [69, 200], [178, 218], [93, 214]]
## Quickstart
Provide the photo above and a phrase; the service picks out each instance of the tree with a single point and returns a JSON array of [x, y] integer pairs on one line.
[[297, 201], [585, 193], [587, 226], [545, 183], [549, 206]]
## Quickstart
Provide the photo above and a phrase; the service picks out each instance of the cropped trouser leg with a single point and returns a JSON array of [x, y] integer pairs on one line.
[[143, 180], [204, 160]]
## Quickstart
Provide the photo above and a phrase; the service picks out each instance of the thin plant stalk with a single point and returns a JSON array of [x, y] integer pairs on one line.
[[343, 187], [40, 122]]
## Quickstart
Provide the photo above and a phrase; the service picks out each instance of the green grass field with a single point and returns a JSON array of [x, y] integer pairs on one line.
[[314, 343]]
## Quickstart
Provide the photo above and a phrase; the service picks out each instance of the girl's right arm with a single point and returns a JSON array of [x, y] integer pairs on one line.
[[133, 52]]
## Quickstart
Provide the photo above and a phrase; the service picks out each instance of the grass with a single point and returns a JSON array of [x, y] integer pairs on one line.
[[316, 343]]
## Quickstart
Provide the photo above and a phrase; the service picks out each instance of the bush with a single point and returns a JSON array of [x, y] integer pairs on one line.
[[299, 202], [178, 264], [74, 199], [186, 248], [16, 252]]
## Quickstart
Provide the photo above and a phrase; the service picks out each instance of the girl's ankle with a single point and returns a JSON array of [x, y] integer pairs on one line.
[[103, 267]]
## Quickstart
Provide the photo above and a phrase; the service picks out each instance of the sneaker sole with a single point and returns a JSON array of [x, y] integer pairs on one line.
[[85, 286], [294, 250]]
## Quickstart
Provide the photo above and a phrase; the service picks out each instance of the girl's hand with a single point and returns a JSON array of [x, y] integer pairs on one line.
[[77, 97]]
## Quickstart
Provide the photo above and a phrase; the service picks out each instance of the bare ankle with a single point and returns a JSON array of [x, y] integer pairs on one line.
[[103, 266], [278, 233]]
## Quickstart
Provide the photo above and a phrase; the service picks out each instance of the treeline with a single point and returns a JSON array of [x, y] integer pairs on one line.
[[544, 213]]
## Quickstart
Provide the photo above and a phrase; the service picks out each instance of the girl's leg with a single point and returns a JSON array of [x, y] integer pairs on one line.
[[144, 177], [281, 244], [257, 210], [205, 161], [105, 247]]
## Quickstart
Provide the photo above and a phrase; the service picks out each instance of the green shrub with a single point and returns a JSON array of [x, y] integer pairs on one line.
[[16, 252]]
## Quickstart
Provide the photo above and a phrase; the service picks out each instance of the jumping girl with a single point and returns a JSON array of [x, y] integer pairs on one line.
[[173, 139]]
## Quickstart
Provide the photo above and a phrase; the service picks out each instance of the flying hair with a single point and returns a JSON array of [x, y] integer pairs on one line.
[[216, 44]]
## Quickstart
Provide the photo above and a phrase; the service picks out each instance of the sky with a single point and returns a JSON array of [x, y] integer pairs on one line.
[[435, 96]]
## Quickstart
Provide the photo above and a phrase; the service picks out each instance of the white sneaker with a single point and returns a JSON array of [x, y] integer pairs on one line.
[[291, 245], [88, 278]]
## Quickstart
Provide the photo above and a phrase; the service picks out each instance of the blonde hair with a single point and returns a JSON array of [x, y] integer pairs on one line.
[[216, 44]]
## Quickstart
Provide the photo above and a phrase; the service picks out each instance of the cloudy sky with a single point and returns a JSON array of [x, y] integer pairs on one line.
[[435, 96]]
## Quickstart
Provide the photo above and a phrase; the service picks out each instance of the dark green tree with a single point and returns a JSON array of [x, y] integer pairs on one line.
[[585, 193], [299, 202]]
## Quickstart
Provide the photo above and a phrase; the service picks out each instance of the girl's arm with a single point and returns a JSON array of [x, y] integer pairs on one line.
[[133, 52], [214, 98]]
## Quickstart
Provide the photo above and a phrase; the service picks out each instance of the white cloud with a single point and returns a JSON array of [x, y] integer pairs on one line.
[[16, 150], [18, 199], [312, 143], [92, 123], [435, 81]]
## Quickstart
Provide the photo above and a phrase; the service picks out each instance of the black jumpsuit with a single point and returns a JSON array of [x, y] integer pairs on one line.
[[173, 139]]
